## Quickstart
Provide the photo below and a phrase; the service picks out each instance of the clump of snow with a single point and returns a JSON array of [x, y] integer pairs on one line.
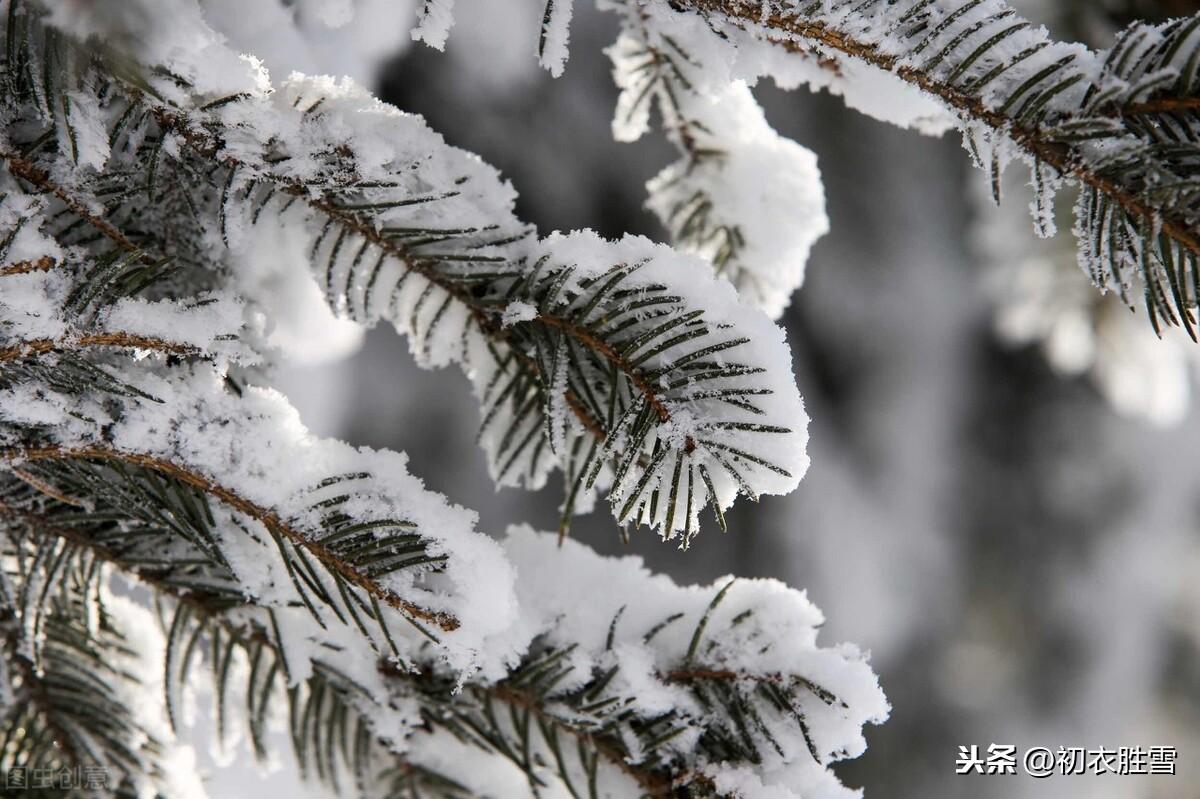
[[211, 321], [877, 94], [433, 23], [295, 314], [21, 215], [518, 311], [764, 187], [160, 32], [30, 307], [556, 31]]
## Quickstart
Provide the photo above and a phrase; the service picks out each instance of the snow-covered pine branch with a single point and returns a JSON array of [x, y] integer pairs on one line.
[[1120, 123], [149, 172], [290, 582], [431, 245], [743, 197], [307, 565]]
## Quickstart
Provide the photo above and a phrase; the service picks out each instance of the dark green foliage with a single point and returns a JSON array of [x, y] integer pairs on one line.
[[62, 661]]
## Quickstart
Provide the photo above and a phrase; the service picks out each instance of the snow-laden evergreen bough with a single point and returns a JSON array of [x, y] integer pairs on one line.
[[159, 188], [1119, 124], [155, 184]]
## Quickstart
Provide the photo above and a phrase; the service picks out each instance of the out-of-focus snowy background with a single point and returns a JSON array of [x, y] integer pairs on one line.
[[1004, 501]]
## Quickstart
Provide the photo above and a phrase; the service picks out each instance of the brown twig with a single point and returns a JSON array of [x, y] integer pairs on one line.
[[604, 349], [1160, 106], [43, 264], [118, 339]]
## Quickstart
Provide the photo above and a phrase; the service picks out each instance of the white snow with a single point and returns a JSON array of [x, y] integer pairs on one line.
[[556, 33], [518, 311], [433, 24], [764, 186]]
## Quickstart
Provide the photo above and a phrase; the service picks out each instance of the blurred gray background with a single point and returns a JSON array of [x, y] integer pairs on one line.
[[1018, 558]]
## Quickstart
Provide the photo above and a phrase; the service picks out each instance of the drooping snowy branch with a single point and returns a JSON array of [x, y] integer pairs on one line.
[[676, 684], [718, 690], [1119, 123], [741, 196], [327, 505]]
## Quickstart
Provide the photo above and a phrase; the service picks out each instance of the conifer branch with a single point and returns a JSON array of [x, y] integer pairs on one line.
[[792, 32], [268, 518], [757, 238], [215, 615], [484, 314], [144, 191], [521, 445], [653, 783], [41, 179]]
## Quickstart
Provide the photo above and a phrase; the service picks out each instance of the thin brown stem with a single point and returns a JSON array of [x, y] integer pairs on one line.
[[603, 348], [116, 339], [1163, 105], [43, 264]]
